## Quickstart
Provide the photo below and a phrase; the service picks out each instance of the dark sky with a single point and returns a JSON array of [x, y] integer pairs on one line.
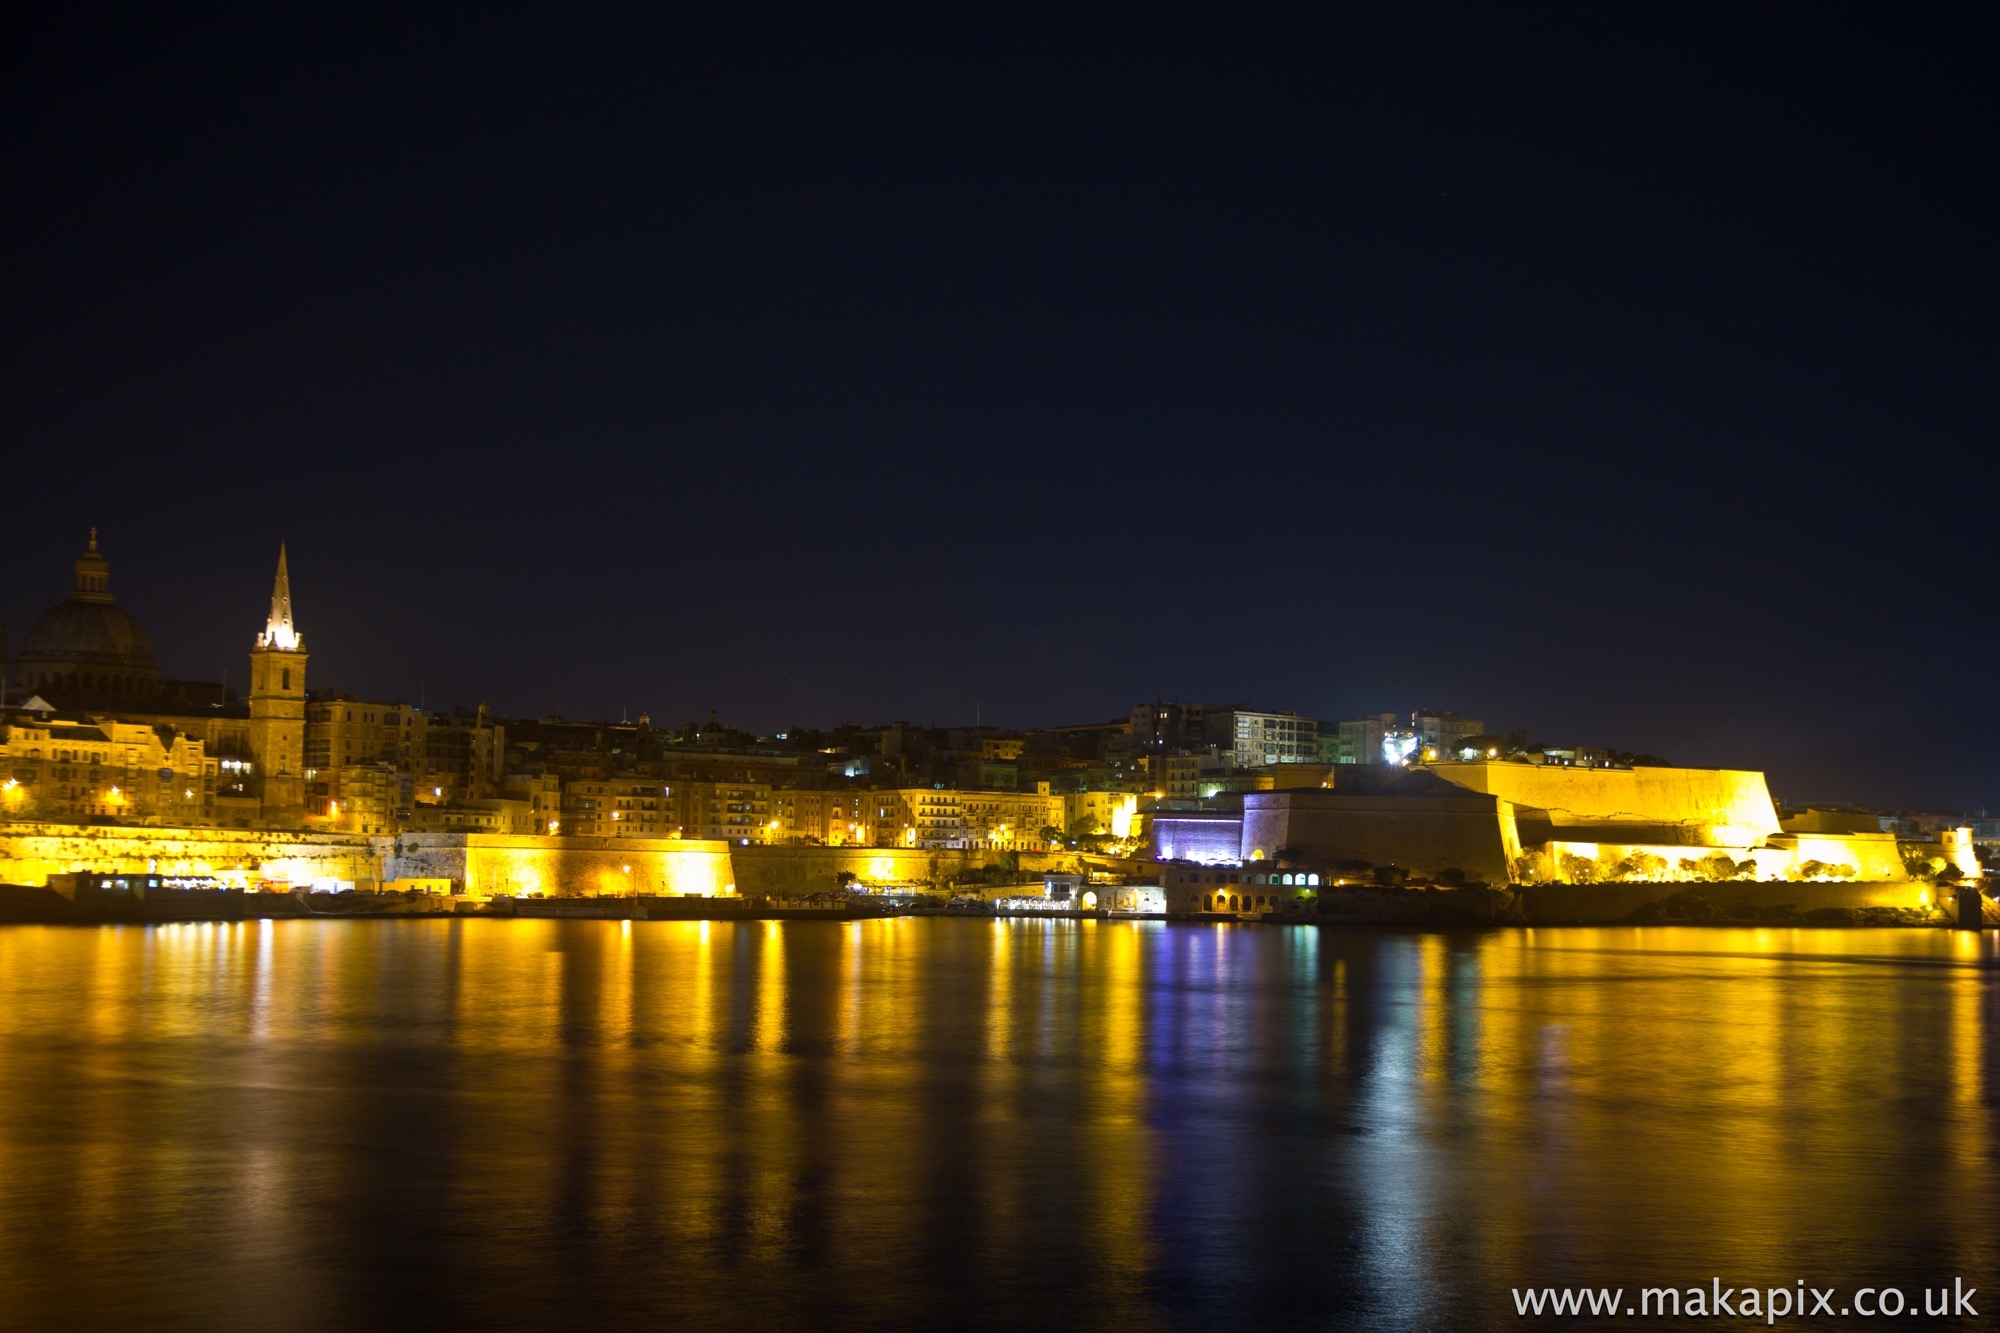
[[1622, 373]]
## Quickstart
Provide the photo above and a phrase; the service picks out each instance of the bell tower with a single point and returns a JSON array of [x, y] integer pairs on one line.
[[278, 707]]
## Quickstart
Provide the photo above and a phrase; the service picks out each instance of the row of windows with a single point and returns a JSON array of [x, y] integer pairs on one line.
[[1230, 902], [89, 682], [1298, 879]]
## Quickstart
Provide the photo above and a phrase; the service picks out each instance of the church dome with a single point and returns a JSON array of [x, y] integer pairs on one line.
[[88, 647]]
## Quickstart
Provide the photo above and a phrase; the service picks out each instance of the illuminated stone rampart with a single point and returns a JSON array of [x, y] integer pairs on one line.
[[501, 864], [1858, 856], [1709, 807], [787, 872], [243, 858]]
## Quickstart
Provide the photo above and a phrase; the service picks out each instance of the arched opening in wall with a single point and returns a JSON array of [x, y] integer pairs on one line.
[[1208, 902], [1234, 903]]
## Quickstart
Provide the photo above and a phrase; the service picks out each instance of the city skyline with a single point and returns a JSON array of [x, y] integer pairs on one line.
[[91, 583], [1323, 367]]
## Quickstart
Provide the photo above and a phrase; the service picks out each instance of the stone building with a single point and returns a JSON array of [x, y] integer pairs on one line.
[[737, 812], [617, 807], [1258, 738], [54, 769]]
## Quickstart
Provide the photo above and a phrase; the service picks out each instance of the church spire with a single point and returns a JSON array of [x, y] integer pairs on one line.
[[279, 632]]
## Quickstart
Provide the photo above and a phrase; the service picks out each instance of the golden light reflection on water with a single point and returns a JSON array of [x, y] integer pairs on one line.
[[873, 1121]]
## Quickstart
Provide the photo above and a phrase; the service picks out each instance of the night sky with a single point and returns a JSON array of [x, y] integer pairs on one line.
[[1626, 374]]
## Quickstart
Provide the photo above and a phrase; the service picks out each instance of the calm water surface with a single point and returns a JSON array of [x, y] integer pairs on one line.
[[939, 1122]]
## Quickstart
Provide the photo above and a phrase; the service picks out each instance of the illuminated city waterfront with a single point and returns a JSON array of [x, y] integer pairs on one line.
[[303, 1124]]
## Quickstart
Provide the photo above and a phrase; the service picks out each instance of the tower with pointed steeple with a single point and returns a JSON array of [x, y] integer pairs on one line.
[[278, 706]]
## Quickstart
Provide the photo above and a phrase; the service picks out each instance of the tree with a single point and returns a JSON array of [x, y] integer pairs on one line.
[[1638, 865], [1717, 866], [1391, 876], [1578, 869], [1919, 865]]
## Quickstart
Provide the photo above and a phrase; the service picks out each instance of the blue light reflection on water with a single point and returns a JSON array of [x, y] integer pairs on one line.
[[918, 1121]]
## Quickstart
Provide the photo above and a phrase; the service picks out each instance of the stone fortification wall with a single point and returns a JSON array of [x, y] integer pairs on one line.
[[791, 872], [1870, 856], [1209, 837], [1721, 807], [31, 852], [487, 864], [1595, 904], [1423, 834]]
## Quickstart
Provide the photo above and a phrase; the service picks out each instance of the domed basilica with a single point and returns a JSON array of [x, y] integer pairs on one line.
[[88, 649]]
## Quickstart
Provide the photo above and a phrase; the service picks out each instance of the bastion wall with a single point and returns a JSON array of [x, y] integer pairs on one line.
[[1722, 807], [1599, 904], [791, 872], [1422, 834], [245, 858], [502, 864]]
